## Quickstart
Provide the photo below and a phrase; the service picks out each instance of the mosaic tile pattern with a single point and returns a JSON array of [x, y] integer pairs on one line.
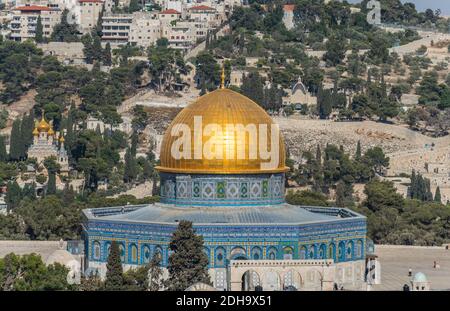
[[222, 190]]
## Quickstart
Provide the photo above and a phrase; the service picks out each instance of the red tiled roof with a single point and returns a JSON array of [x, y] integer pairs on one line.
[[289, 7], [202, 8], [32, 8], [170, 11]]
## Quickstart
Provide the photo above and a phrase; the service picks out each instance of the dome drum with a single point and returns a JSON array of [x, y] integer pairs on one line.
[[222, 190]]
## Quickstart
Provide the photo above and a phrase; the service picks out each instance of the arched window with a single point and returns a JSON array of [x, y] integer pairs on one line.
[[145, 254], [133, 253], [323, 251], [288, 253], [349, 254], [159, 252], [359, 247], [206, 252], [256, 253], [312, 252], [220, 255], [331, 251], [96, 248], [238, 253], [272, 253], [303, 254], [107, 248], [341, 251], [122, 252]]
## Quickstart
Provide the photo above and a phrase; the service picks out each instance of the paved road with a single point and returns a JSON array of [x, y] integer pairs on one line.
[[396, 260]]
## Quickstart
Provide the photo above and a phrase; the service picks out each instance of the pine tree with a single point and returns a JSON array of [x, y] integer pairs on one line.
[[114, 270], [15, 149], [188, 264], [437, 195], [155, 273], [3, 153], [133, 6], [39, 32], [340, 194]]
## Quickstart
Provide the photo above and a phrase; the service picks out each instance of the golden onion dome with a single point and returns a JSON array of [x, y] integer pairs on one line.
[[61, 139], [51, 132], [35, 132], [222, 107], [43, 125]]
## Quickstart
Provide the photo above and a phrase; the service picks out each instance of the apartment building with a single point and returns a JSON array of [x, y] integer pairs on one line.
[[181, 35], [24, 20], [167, 16], [89, 13], [116, 27], [204, 14], [145, 29]]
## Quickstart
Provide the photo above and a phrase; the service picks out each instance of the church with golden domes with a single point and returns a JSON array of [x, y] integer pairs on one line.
[[227, 185], [45, 145]]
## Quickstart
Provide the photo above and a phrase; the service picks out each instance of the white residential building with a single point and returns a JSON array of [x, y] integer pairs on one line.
[[24, 20], [167, 16], [145, 29], [181, 35], [288, 16], [204, 14], [116, 27], [89, 13]]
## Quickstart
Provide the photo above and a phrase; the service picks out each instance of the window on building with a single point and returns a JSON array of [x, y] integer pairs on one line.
[[145, 254], [96, 250], [256, 253], [288, 253]]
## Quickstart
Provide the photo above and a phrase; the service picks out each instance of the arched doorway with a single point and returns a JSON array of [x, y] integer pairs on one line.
[[291, 280], [250, 281]]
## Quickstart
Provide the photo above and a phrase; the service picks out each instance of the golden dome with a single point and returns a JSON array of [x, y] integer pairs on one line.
[[61, 139], [35, 132], [43, 125], [51, 132], [222, 107]]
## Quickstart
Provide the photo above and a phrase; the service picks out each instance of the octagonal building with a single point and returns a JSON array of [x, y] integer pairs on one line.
[[252, 237]]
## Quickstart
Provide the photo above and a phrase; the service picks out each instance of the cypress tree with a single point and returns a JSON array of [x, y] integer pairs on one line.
[[15, 142], [155, 273], [413, 186], [107, 60], [3, 153], [188, 264], [437, 195], [358, 151], [13, 195], [130, 167], [340, 194], [134, 143], [318, 155], [114, 270], [51, 185], [39, 32]]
